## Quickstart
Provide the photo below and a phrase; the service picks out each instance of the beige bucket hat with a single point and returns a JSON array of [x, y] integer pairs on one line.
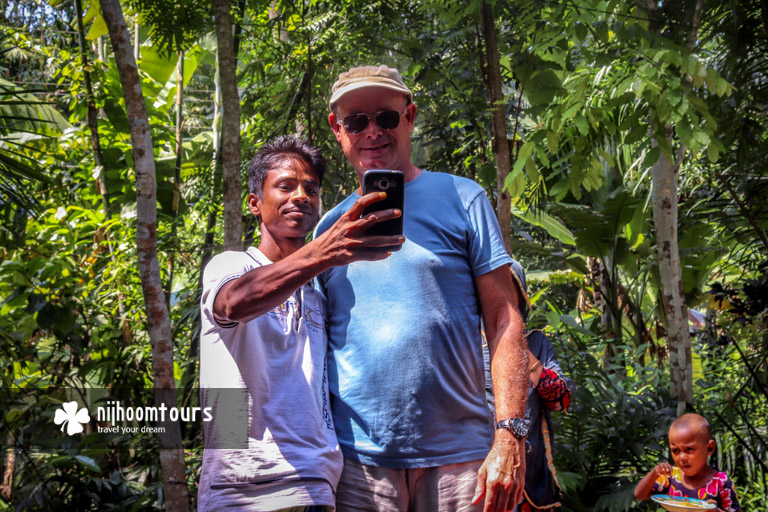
[[368, 76]]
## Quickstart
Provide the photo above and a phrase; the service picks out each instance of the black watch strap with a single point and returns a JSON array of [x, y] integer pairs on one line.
[[518, 426]]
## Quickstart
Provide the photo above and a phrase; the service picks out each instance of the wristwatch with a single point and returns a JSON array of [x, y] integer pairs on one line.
[[518, 426]]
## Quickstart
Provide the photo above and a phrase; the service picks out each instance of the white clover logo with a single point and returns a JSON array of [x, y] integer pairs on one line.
[[70, 417]]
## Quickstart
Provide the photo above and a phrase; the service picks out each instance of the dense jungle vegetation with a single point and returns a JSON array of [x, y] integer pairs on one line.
[[624, 144]]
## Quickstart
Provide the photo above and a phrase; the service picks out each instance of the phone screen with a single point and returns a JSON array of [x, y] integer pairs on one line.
[[393, 183]]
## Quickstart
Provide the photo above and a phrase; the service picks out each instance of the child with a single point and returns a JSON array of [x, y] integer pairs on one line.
[[691, 444]]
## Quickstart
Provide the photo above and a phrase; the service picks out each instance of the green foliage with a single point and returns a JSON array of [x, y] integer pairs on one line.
[[617, 421], [587, 86], [28, 126], [73, 313], [174, 26]]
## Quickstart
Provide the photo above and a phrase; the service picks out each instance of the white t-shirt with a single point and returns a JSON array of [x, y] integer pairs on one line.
[[271, 443]]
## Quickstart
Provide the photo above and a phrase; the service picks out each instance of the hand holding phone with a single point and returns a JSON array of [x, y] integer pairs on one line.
[[346, 240], [393, 184]]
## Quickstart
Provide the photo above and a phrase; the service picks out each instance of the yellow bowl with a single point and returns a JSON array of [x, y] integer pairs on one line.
[[678, 504]]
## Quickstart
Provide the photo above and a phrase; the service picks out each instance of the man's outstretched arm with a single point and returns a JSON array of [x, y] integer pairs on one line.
[[262, 289], [501, 478]]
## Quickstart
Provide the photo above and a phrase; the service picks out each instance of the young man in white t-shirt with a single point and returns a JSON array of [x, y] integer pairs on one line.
[[271, 444]]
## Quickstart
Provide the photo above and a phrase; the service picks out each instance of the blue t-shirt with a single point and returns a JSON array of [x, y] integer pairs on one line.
[[405, 363]]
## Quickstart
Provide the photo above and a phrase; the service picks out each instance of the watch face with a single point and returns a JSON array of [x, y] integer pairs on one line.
[[520, 427]]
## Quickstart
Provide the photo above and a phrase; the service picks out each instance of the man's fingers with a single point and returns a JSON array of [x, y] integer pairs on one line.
[[383, 241], [518, 498], [491, 500], [357, 209], [372, 255], [375, 217], [480, 487], [502, 499], [499, 495]]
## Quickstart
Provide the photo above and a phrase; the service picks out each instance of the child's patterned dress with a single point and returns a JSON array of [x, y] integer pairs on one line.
[[719, 488]]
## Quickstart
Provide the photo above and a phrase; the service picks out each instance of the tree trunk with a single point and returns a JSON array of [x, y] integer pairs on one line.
[[665, 218], [92, 116], [176, 175], [230, 128], [310, 70], [136, 42], [665, 178], [158, 321], [499, 114]]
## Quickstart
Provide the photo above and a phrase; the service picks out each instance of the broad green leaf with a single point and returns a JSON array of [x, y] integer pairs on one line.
[[98, 28], [636, 134], [514, 183], [552, 141], [619, 209], [192, 59], [571, 111], [658, 55], [547, 222], [674, 96], [663, 110], [522, 157], [88, 462], [690, 64], [576, 176], [702, 137], [93, 9], [581, 31], [159, 68], [722, 87], [560, 190], [581, 123], [712, 153], [542, 86], [711, 79], [487, 174], [116, 113], [571, 322], [532, 171], [598, 232], [700, 75], [608, 159], [541, 154], [685, 133], [674, 57], [23, 112], [603, 31]]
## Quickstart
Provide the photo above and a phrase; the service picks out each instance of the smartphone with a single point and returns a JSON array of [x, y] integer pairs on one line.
[[393, 183]]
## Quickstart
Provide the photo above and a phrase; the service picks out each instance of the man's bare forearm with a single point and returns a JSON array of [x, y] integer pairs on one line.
[[263, 288], [505, 332], [501, 477], [509, 368]]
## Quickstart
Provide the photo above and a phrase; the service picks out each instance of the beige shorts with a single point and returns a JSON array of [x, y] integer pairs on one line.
[[443, 488]]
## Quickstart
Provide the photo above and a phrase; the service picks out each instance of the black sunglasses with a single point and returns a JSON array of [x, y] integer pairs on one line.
[[386, 119]]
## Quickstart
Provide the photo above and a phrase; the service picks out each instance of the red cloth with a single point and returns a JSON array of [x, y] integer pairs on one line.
[[553, 391]]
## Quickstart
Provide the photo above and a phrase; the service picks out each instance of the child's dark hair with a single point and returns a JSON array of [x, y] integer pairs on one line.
[[273, 152]]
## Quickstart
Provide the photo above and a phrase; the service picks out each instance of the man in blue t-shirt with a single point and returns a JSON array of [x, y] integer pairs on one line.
[[405, 358]]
